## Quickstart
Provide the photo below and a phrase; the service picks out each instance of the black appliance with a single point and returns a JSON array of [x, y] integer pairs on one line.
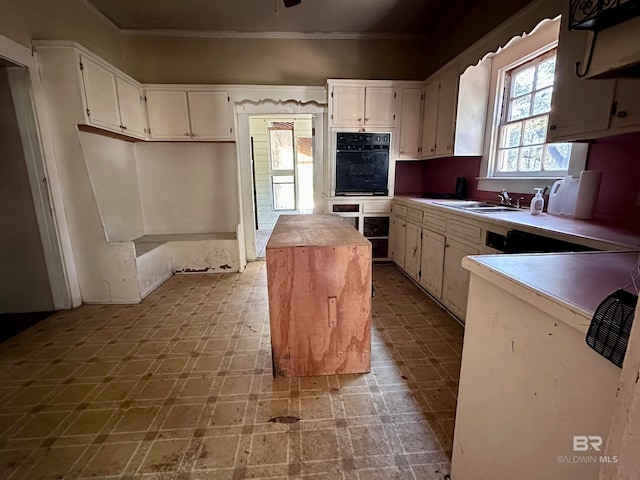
[[460, 193], [362, 163], [516, 241]]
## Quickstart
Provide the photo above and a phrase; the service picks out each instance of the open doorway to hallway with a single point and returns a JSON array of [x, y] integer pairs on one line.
[[282, 159]]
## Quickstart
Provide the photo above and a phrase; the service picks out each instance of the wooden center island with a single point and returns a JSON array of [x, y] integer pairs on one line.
[[319, 281]]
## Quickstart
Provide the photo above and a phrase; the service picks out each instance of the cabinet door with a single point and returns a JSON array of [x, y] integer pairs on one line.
[[412, 250], [100, 94], [168, 115], [430, 119], [398, 237], [432, 262], [379, 110], [410, 123], [455, 284], [209, 113], [348, 106], [578, 106], [131, 107], [447, 106], [628, 104]]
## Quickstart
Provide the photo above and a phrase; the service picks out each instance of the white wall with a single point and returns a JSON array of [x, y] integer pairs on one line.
[[24, 281], [188, 187], [112, 169]]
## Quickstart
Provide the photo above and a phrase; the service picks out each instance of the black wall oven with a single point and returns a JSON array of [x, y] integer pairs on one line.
[[362, 163]]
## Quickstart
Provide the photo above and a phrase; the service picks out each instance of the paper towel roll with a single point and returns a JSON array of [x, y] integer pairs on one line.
[[588, 194]]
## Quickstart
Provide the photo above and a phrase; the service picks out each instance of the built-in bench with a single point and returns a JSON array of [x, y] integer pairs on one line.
[[160, 256]]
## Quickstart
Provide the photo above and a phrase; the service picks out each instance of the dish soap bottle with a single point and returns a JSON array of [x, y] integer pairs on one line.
[[537, 203]]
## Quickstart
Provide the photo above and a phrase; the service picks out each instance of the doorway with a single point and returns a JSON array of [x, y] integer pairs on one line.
[[283, 170], [25, 288]]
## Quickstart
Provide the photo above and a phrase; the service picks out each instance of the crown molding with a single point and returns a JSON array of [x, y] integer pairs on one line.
[[273, 35]]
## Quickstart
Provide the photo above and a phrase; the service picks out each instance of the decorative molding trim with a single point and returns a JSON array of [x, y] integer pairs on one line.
[[273, 35]]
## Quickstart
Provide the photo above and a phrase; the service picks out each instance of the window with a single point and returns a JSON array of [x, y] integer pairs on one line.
[[522, 132], [282, 168]]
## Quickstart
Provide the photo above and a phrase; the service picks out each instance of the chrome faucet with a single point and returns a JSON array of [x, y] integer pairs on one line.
[[504, 197]]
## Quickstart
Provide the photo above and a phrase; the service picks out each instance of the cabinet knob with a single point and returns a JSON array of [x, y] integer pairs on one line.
[[359, 120], [366, 119], [401, 153], [446, 245], [621, 114], [448, 147], [432, 149], [187, 134], [552, 127], [193, 135], [124, 127]]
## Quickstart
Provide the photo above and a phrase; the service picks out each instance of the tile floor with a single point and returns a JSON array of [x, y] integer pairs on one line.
[[180, 387]]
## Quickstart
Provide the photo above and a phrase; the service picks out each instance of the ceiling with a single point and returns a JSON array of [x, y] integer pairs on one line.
[[397, 17]]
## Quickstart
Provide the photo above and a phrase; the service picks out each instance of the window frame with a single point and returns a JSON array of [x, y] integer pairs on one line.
[[519, 51], [283, 173]]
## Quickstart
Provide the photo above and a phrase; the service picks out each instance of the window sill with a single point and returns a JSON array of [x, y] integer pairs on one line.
[[515, 184]]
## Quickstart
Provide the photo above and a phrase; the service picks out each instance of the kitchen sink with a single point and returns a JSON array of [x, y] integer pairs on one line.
[[481, 207]]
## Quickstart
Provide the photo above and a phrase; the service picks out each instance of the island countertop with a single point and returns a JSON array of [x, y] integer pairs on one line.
[[569, 286]]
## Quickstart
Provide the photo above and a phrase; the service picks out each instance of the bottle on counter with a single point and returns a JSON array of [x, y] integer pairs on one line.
[[537, 203]]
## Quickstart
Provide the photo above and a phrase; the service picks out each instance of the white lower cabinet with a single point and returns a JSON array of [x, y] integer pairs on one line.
[[455, 279], [429, 247], [398, 238], [412, 251], [432, 262]]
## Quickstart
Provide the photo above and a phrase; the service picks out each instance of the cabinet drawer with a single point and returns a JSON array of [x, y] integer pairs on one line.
[[400, 211], [414, 215], [377, 207], [464, 231], [435, 223]]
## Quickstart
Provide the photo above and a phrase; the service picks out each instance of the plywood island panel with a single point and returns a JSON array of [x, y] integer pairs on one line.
[[319, 281]]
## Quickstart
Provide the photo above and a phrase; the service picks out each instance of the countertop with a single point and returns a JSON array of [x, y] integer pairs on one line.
[[577, 282], [566, 228], [313, 230]]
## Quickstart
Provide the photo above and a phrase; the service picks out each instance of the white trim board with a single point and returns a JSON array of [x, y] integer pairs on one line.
[[273, 35]]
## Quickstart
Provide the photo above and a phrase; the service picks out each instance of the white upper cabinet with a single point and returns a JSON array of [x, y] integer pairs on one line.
[[130, 101], [626, 110], [447, 102], [348, 106], [168, 112], [579, 107], [200, 115], [379, 110], [209, 113], [439, 119], [410, 116], [362, 104], [112, 101], [430, 118], [100, 93]]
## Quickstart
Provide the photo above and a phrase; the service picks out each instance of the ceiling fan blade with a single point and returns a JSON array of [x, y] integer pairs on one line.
[[291, 3]]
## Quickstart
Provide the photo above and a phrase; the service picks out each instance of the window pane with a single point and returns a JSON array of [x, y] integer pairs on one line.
[[531, 159], [546, 71], [542, 101], [519, 108], [523, 82], [508, 160], [281, 149], [557, 156], [284, 196], [511, 135], [283, 179], [535, 131]]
